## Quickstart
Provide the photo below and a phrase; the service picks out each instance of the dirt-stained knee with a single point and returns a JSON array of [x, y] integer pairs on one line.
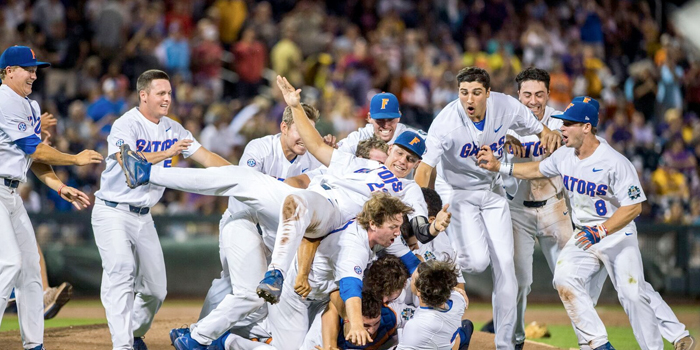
[[289, 208]]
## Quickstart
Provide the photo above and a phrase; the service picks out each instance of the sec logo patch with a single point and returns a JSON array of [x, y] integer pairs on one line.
[[22, 126], [634, 192], [358, 270], [120, 142], [251, 162]]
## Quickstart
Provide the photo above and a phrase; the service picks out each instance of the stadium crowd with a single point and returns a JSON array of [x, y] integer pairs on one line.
[[224, 54]]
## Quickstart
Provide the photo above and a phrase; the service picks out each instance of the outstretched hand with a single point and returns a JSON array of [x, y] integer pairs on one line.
[[442, 219], [79, 199], [291, 96]]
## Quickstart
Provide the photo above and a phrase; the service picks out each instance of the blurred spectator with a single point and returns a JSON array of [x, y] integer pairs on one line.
[[46, 13], [250, 59], [232, 14], [174, 52], [559, 86], [107, 107], [286, 57], [678, 157], [30, 199], [668, 184], [641, 88], [109, 29], [263, 24], [206, 58]]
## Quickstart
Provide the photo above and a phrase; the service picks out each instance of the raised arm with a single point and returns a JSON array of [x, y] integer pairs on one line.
[[527, 171], [312, 139]]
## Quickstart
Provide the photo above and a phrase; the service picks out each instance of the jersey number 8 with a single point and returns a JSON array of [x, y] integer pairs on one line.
[[600, 208]]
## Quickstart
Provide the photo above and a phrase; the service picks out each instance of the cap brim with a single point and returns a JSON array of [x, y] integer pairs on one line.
[[566, 117], [384, 115], [408, 149], [36, 64]]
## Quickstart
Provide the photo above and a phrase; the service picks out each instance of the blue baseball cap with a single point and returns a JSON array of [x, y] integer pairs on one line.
[[411, 141], [20, 56], [581, 110], [384, 106], [587, 99]]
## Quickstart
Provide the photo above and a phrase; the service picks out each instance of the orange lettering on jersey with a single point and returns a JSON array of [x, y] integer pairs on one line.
[[414, 141], [586, 99], [33, 55], [384, 102]]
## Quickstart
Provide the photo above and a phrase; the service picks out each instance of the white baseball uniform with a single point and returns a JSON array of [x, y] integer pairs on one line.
[[597, 186], [431, 328], [347, 185], [539, 212], [349, 144], [133, 278], [455, 140], [20, 119], [244, 252]]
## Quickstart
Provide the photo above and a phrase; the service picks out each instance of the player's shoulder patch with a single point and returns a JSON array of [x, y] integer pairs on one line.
[[634, 192], [22, 126], [407, 313], [119, 143], [251, 162], [358, 270]]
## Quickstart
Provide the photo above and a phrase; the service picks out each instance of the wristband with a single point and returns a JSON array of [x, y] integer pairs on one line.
[[506, 169], [61, 188], [602, 231]]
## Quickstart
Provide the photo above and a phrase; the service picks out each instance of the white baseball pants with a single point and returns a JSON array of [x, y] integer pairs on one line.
[[133, 271], [244, 259], [19, 267], [481, 233], [619, 255]]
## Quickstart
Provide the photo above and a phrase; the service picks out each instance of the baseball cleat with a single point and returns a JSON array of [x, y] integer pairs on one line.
[[135, 166], [270, 288], [219, 343], [685, 343], [187, 343], [139, 344], [177, 333], [465, 334], [606, 346], [55, 298]]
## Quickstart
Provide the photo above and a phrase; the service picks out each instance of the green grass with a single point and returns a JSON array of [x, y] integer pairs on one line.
[[10, 322], [563, 336]]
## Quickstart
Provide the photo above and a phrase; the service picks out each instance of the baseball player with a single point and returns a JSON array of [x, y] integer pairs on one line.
[[539, 210], [606, 196], [133, 279], [20, 150], [382, 121], [538, 207], [441, 307], [481, 117], [305, 213], [344, 252], [244, 252]]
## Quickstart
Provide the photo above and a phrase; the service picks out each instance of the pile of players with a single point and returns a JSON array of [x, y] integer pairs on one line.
[[320, 238]]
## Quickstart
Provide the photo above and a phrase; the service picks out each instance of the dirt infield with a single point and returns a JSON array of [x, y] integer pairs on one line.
[[177, 313]]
